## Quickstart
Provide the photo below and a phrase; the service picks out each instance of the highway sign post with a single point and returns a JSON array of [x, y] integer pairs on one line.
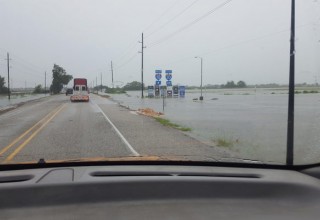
[[158, 76], [169, 83], [157, 91], [182, 91], [150, 91], [175, 91]]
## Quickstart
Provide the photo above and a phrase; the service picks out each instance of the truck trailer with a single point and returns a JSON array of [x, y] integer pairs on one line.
[[80, 90]]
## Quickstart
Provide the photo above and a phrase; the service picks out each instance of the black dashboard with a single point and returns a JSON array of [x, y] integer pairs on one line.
[[159, 192]]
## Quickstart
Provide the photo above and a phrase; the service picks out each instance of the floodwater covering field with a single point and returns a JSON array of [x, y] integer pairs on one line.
[[250, 122], [18, 98]]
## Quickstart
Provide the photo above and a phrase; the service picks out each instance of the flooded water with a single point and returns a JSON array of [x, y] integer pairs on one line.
[[251, 122], [15, 99]]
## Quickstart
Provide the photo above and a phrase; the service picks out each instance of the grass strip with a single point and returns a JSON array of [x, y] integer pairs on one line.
[[168, 123], [222, 142]]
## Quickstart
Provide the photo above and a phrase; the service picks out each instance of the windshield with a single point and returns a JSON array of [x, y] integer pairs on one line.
[[198, 80]]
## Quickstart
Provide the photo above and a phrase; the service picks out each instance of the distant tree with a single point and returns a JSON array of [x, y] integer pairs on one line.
[[230, 84], [3, 89], [59, 78], [241, 84], [38, 89], [98, 88], [135, 85]]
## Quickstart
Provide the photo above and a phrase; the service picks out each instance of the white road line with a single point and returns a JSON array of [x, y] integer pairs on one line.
[[134, 152]]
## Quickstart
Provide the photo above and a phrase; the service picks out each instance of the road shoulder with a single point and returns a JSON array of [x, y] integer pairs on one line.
[[149, 137]]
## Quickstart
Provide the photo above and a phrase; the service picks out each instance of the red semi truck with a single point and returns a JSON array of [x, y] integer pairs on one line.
[[80, 90]]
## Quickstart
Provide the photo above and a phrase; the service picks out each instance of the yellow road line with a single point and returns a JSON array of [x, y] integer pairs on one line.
[[18, 149], [26, 132]]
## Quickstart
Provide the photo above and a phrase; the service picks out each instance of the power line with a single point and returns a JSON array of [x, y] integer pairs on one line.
[[191, 23], [27, 62], [161, 15], [241, 43], [125, 63], [253, 39], [133, 44], [28, 68], [130, 47], [172, 19]]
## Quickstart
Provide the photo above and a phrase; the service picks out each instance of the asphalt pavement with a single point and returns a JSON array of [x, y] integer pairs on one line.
[[53, 129]]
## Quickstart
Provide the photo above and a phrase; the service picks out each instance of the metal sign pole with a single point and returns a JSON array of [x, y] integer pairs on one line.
[[163, 100]]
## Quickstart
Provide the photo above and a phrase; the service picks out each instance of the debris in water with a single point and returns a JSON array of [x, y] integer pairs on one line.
[[148, 112]]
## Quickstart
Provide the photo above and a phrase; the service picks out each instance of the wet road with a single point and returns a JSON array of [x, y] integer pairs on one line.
[[53, 128]]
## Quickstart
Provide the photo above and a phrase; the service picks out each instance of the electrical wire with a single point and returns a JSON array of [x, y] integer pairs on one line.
[[159, 17], [126, 51], [26, 70], [172, 19], [125, 63], [241, 43], [133, 44], [35, 72], [15, 57], [190, 24]]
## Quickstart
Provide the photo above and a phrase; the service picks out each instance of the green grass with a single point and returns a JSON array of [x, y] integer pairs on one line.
[[222, 142], [305, 91], [168, 123], [310, 91]]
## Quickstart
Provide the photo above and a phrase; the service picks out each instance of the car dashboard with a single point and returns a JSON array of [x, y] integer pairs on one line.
[[159, 192]]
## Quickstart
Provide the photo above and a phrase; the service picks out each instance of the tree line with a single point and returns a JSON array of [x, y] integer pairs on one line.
[[3, 88], [60, 78]]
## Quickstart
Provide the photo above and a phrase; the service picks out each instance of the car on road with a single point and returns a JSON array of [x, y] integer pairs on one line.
[[69, 92]]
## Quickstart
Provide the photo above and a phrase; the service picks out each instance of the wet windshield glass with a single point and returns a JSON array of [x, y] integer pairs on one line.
[[199, 80]]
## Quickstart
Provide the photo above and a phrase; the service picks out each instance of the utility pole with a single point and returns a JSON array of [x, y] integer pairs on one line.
[[201, 96], [112, 74], [97, 84], [45, 83], [290, 126], [142, 47], [101, 82], [8, 64]]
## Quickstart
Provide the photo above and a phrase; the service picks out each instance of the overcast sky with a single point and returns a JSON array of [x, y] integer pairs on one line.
[[243, 40]]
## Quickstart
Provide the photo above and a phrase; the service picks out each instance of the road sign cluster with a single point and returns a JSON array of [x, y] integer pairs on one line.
[[168, 89], [158, 77]]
